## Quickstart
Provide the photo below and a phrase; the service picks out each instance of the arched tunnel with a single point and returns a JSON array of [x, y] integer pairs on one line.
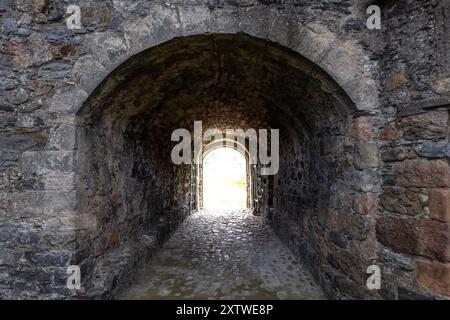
[[135, 197]]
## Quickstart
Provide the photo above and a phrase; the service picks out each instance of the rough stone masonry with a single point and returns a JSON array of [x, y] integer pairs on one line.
[[86, 117]]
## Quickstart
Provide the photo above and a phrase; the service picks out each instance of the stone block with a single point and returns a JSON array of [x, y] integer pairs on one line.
[[440, 204], [50, 258], [62, 138], [67, 100], [434, 276], [427, 126], [352, 266], [5, 204], [48, 162], [23, 140], [347, 287], [338, 239], [27, 238], [364, 204], [422, 173], [5, 234], [404, 201], [395, 81], [398, 154], [366, 155], [389, 133], [354, 226], [59, 181], [363, 181], [58, 201], [423, 237], [54, 70], [362, 128], [27, 204], [434, 149], [9, 257], [40, 6], [110, 48], [88, 72], [5, 5]]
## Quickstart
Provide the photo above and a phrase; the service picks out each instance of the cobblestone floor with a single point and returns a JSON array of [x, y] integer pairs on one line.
[[223, 255]]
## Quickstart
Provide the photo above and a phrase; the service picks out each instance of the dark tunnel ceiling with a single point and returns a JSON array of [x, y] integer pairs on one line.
[[228, 81]]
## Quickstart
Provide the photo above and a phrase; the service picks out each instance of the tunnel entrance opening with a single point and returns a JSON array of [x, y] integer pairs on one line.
[[224, 180], [132, 198]]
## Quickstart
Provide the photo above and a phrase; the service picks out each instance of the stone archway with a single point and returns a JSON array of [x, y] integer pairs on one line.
[[129, 191]]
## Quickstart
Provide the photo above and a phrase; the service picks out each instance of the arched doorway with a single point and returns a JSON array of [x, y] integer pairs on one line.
[[131, 191], [224, 179]]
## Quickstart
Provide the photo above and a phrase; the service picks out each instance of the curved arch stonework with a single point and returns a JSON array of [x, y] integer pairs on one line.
[[364, 121], [105, 102], [344, 60]]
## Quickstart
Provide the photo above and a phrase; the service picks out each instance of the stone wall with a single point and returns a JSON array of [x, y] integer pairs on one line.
[[86, 117], [412, 226]]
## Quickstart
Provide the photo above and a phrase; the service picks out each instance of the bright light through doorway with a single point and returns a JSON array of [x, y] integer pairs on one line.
[[224, 179]]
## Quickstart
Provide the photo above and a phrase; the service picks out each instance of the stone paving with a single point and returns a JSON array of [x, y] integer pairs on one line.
[[223, 255]]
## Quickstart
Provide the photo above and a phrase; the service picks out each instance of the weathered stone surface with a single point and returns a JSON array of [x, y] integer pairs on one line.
[[110, 48], [362, 128], [398, 261], [27, 204], [424, 105], [5, 235], [85, 73], [398, 154], [62, 137], [9, 257], [412, 294], [67, 100], [430, 125], [54, 70], [52, 258], [347, 287], [440, 204], [398, 234], [366, 181], [434, 150], [395, 81], [5, 5], [434, 276], [338, 238], [48, 162], [389, 133], [404, 201], [352, 265], [60, 201], [365, 204], [422, 173], [355, 226], [366, 155], [40, 6], [424, 237]]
